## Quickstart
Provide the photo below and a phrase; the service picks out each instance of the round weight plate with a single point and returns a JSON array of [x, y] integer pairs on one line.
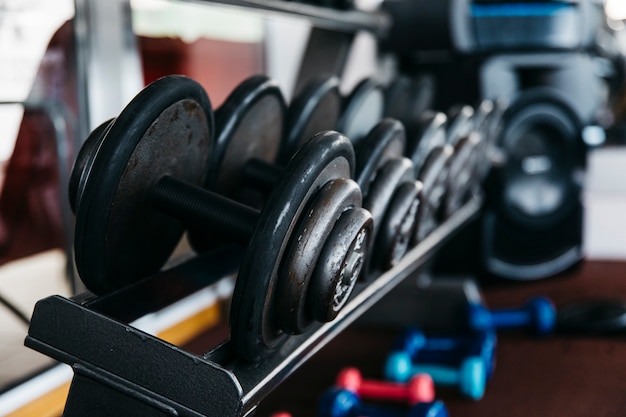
[[462, 173], [362, 109], [460, 123], [343, 259], [390, 176], [433, 177], [165, 130], [384, 142], [430, 132], [327, 156], [249, 125], [396, 233], [305, 246], [407, 97], [315, 109], [84, 160]]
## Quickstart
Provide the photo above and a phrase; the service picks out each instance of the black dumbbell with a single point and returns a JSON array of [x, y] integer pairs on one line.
[[316, 108], [434, 177], [428, 132], [462, 174], [407, 97], [259, 102], [138, 182], [362, 109], [390, 191], [460, 122]]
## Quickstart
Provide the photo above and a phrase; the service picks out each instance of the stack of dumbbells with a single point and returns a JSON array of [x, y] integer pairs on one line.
[[324, 194]]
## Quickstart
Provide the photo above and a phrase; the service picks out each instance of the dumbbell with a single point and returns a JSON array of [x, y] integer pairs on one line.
[[316, 108], [463, 177], [145, 180], [362, 109], [460, 122], [419, 388], [434, 177], [249, 133], [469, 376], [407, 97], [338, 402], [390, 191], [428, 132], [449, 349], [538, 315]]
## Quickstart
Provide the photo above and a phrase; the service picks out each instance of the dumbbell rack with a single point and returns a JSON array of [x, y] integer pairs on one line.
[[121, 370]]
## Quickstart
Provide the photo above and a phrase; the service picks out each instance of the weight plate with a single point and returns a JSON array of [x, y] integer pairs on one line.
[[384, 142], [315, 109], [344, 257], [460, 123], [249, 125], [166, 129], [462, 173], [430, 133], [391, 175], [84, 160], [362, 110], [433, 178], [304, 249], [396, 233], [407, 97], [327, 156]]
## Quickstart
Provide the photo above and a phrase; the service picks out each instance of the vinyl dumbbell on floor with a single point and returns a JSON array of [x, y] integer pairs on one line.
[[469, 377], [419, 388], [136, 187], [538, 315], [390, 191], [337, 402], [448, 349]]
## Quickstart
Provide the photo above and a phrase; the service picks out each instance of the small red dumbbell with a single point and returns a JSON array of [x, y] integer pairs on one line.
[[420, 388]]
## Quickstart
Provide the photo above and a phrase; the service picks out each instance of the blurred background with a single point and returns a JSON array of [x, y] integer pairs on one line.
[[66, 66]]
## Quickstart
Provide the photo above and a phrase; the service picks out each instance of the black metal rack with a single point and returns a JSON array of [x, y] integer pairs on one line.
[[339, 20], [120, 370]]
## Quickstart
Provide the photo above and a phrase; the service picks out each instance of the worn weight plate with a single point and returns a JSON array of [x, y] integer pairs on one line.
[[249, 124], [166, 129], [384, 142], [433, 178], [391, 175], [396, 233], [430, 132], [303, 251], [83, 162], [345, 254], [362, 109], [315, 109], [253, 325], [460, 123]]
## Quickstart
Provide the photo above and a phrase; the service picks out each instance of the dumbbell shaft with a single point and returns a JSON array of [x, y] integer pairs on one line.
[[261, 174], [197, 206]]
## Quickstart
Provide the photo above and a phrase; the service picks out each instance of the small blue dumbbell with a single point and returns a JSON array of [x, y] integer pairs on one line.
[[470, 376], [338, 402], [449, 350], [538, 315]]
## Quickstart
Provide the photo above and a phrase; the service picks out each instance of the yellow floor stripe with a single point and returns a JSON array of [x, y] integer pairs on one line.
[[52, 403]]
